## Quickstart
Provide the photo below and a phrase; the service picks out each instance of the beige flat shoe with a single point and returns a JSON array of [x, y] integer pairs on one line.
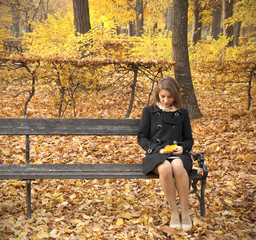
[[186, 227], [175, 225]]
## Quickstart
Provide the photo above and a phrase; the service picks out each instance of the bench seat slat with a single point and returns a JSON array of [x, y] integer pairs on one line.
[[76, 171], [60, 126], [72, 171]]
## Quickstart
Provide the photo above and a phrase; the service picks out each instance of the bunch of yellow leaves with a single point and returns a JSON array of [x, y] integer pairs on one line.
[[170, 148]]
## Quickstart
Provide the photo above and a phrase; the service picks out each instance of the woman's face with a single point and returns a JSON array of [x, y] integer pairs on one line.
[[165, 98]]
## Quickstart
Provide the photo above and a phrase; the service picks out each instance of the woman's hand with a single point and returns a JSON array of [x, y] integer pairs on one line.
[[162, 151], [178, 150]]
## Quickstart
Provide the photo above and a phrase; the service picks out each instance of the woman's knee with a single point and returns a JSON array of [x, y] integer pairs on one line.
[[164, 169], [178, 167]]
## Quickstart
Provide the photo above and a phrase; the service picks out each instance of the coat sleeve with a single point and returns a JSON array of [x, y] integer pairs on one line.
[[144, 132], [187, 138]]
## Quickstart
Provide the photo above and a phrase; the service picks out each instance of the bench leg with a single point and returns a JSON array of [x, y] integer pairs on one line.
[[202, 201], [200, 197], [28, 198], [28, 182]]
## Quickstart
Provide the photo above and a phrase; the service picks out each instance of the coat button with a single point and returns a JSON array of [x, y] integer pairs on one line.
[[177, 114], [150, 150], [158, 141], [158, 114], [159, 126]]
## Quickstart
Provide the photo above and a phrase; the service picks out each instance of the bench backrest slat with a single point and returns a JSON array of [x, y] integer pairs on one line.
[[50, 126]]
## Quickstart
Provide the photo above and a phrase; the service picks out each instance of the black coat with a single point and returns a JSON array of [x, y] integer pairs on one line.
[[158, 129]]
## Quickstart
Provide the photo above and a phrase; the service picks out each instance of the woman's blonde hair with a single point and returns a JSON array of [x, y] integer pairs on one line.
[[171, 85]]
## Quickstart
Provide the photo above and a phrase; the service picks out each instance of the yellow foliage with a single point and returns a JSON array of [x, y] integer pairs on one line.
[[244, 11], [209, 51], [55, 37], [216, 51], [218, 66], [153, 45], [155, 10], [245, 52], [110, 13], [120, 13]]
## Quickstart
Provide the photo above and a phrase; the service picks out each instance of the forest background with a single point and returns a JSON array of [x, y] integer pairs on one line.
[[49, 69]]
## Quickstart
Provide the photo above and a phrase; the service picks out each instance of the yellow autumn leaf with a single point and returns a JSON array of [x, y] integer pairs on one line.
[[124, 205], [6, 152], [59, 219], [127, 190], [48, 195], [119, 222], [79, 183], [231, 185], [53, 233], [73, 196], [61, 199], [129, 197], [150, 220], [144, 219], [135, 220], [160, 193], [165, 219], [107, 201], [97, 228], [232, 213], [78, 222], [126, 215], [67, 230], [228, 201], [42, 235], [23, 235]]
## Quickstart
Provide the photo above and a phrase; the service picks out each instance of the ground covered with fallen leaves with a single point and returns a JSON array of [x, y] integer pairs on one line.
[[131, 209]]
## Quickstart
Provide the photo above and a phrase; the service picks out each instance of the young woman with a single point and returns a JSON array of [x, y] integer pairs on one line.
[[167, 123]]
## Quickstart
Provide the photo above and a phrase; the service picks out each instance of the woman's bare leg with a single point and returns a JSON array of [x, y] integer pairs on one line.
[[182, 185], [167, 183]]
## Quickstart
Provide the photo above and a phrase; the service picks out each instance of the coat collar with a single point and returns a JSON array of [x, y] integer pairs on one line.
[[156, 109]]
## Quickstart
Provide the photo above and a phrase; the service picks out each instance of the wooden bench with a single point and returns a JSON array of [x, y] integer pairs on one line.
[[28, 172]]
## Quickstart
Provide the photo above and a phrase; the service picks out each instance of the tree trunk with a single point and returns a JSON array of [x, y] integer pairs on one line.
[[15, 19], [237, 28], [139, 17], [227, 13], [155, 27], [216, 20], [169, 17], [81, 16], [197, 23], [45, 10], [180, 55], [133, 87], [131, 30]]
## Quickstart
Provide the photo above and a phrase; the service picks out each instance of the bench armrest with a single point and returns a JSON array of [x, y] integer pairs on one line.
[[200, 159]]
